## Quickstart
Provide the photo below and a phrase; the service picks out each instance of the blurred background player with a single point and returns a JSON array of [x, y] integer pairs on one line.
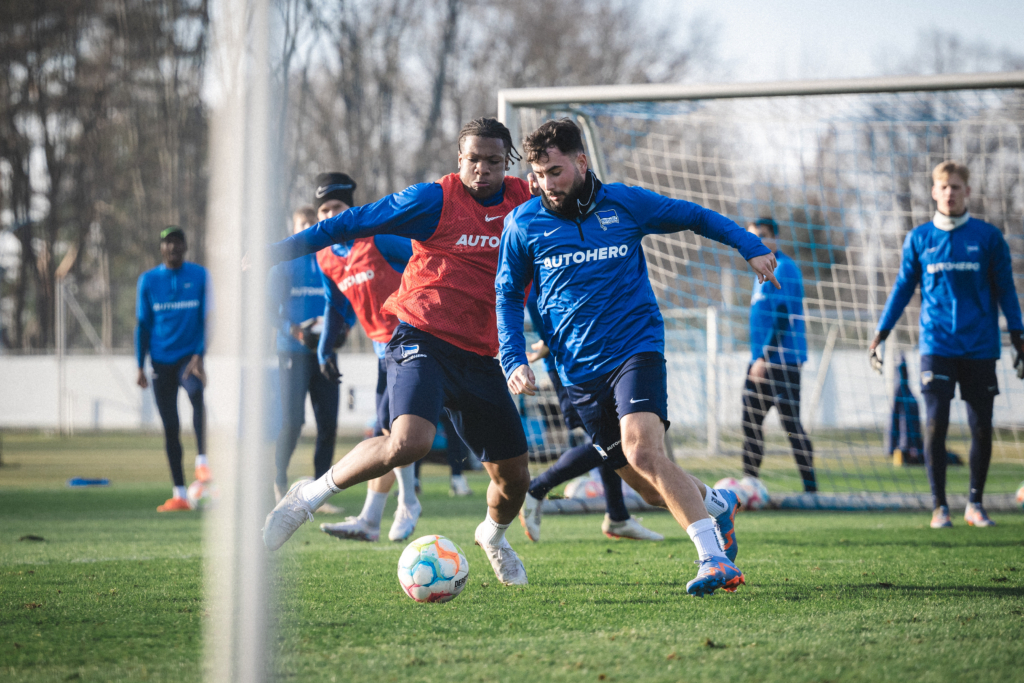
[[580, 245], [964, 268], [441, 356], [171, 308], [358, 277], [295, 291], [778, 347], [578, 460]]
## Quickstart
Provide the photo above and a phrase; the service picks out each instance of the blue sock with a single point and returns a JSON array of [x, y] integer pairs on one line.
[[613, 500]]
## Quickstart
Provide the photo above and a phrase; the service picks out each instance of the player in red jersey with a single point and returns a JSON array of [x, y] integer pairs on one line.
[[442, 354]]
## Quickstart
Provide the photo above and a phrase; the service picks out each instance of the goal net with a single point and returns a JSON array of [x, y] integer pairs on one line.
[[845, 170]]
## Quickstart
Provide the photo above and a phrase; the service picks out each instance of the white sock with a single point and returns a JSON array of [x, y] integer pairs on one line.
[[714, 503], [373, 507], [704, 534], [316, 492], [200, 459], [179, 492], [494, 533], [407, 486]]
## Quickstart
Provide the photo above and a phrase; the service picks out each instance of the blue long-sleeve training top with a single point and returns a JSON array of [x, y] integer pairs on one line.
[[965, 275], [171, 308], [595, 297], [777, 328], [296, 293], [538, 326]]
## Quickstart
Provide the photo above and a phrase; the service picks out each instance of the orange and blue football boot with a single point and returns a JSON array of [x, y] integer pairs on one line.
[[715, 573], [975, 515], [727, 525]]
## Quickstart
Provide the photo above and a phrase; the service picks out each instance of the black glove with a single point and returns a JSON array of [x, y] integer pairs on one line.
[[875, 355], [311, 330], [330, 370], [1018, 356]]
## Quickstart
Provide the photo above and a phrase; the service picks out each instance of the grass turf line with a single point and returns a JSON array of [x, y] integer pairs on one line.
[[851, 596]]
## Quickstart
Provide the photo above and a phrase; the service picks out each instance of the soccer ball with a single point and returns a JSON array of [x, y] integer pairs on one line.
[[1020, 495], [734, 485], [432, 569], [585, 487], [757, 494], [202, 496]]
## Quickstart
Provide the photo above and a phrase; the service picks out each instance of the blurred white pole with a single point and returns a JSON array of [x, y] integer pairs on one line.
[[240, 210], [711, 383]]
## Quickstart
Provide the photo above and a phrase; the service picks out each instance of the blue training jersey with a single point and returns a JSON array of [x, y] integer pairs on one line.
[[595, 298], [538, 326], [777, 331], [171, 309], [965, 276], [296, 293]]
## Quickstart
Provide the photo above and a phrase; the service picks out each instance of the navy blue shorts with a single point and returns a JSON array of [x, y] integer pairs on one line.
[[569, 414], [426, 374], [639, 385], [383, 402], [976, 377]]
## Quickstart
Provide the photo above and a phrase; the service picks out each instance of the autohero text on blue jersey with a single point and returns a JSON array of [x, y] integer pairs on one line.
[[584, 256]]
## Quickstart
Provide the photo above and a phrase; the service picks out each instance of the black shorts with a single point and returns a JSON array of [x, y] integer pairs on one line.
[[976, 377], [639, 385], [780, 387], [569, 414], [426, 374]]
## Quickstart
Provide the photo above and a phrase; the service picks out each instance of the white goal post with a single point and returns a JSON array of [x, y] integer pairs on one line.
[[844, 167]]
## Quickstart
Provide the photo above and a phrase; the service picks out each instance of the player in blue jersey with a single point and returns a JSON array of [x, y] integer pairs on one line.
[[296, 296], [578, 460], [964, 269], [171, 309], [778, 347], [580, 244]]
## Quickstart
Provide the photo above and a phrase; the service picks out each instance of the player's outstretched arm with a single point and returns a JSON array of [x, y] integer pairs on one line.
[[414, 213]]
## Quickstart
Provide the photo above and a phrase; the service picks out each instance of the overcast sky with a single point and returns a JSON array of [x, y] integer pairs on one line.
[[765, 40]]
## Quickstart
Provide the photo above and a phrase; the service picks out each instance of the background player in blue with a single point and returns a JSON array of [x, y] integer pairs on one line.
[[296, 296], [171, 308], [778, 347], [964, 269], [578, 460], [580, 243]]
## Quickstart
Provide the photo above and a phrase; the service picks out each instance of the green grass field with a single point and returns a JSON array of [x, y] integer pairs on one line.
[[114, 592]]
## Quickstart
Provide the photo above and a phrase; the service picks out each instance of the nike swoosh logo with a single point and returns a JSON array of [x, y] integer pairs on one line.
[[548, 234], [638, 400], [492, 218], [320, 192]]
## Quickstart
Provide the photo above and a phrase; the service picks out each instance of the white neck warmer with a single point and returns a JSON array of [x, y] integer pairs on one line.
[[949, 223]]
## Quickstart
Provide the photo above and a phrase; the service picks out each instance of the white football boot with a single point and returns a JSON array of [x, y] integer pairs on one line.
[[504, 561], [529, 517], [630, 528], [355, 528], [405, 522], [459, 486], [291, 513]]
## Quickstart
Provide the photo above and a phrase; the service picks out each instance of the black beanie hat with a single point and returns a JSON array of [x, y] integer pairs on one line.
[[333, 186]]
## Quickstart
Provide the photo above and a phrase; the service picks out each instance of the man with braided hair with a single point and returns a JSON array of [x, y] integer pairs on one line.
[[442, 354]]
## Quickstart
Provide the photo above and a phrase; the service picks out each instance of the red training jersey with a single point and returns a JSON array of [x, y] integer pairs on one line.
[[448, 287], [367, 280]]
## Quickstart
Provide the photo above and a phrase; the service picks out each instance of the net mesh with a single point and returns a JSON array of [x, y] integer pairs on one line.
[[846, 177]]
